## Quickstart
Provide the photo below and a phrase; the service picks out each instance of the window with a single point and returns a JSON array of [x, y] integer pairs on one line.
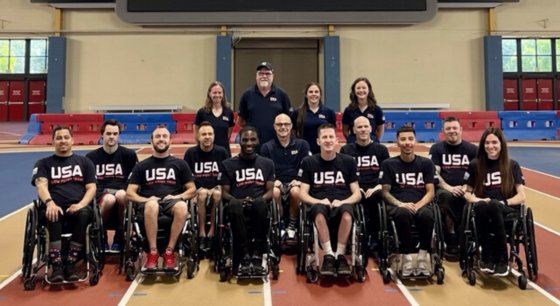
[[509, 55], [14, 53], [536, 55]]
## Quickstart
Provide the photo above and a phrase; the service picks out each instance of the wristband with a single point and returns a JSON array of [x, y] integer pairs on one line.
[[47, 201]]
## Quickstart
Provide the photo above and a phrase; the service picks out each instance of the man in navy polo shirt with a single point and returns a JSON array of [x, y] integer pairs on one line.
[[286, 153], [260, 104]]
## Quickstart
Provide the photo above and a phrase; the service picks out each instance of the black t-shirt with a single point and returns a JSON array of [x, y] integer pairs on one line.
[[247, 177], [329, 179], [407, 179], [161, 176], [374, 115], [369, 159], [205, 165], [493, 179], [287, 160], [453, 160], [67, 176], [112, 170], [221, 125]]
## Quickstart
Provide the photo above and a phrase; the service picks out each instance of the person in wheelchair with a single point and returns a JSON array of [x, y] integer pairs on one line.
[[113, 164], [66, 185], [494, 182], [247, 182], [287, 153], [161, 184], [408, 189], [452, 157], [205, 159], [368, 155], [329, 185]]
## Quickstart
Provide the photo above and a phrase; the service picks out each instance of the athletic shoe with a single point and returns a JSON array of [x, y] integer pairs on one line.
[[70, 274], [169, 262], [151, 262], [407, 265], [257, 265], [328, 267], [245, 266], [502, 269], [204, 241], [487, 266], [423, 266], [291, 232], [57, 274], [342, 266], [115, 247]]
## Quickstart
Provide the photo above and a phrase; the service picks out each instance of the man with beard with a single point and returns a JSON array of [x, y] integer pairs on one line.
[[452, 158], [66, 185], [260, 104], [161, 184], [205, 159], [286, 153], [247, 182], [113, 164], [368, 155], [329, 185], [408, 189]]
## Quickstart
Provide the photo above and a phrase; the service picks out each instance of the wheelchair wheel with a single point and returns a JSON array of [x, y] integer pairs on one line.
[[29, 243], [131, 250], [440, 275], [386, 276], [530, 246], [471, 277], [312, 276], [302, 242], [191, 269], [98, 237], [361, 274], [522, 282]]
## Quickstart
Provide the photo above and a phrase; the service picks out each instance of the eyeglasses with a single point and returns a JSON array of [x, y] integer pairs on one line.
[[283, 124], [264, 73]]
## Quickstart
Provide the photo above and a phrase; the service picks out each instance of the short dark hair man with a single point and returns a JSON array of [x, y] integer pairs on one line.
[[329, 184], [452, 157], [205, 160], [247, 183], [113, 164], [66, 185], [163, 183], [408, 188]]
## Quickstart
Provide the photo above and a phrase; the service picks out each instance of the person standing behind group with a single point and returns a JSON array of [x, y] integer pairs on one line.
[[494, 182], [362, 103], [452, 157], [261, 103], [218, 113], [310, 115]]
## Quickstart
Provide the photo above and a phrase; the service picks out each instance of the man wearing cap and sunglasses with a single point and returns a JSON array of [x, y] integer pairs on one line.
[[260, 104]]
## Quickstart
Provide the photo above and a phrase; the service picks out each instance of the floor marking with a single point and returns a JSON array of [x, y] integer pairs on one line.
[[267, 292], [10, 279], [540, 172], [15, 212], [403, 289], [130, 292], [547, 228], [538, 288], [543, 193]]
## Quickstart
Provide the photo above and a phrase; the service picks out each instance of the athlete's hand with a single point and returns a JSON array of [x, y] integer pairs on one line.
[[73, 209], [409, 206], [53, 211], [372, 191], [337, 203]]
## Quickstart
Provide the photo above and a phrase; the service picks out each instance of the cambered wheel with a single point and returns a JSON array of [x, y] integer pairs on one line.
[[29, 243], [29, 284], [311, 276], [386, 276], [531, 247]]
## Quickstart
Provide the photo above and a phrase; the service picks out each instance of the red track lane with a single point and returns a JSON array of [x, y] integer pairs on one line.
[[108, 291], [549, 267], [540, 182], [291, 289]]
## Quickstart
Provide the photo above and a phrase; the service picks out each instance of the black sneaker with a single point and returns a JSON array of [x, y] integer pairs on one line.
[[70, 274], [328, 267], [57, 274], [342, 266], [502, 269], [256, 263], [487, 266], [203, 244], [245, 266]]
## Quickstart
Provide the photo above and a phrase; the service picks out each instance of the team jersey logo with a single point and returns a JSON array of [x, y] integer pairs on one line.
[[108, 170], [455, 160], [328, 177], [66, 172], [411, 179], [205, 167], [249, 174], [367, 161], [321, 116], [493, 179], [158, 174]]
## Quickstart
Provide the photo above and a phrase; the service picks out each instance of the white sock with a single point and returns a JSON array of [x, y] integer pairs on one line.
[[340, 249], [327, 247], [422, 253]]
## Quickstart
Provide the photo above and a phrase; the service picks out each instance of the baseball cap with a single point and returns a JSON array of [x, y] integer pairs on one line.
[[266, 65]]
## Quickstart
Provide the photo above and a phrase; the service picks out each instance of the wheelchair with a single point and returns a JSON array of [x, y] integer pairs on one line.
[[36, 245], [520, 231], [389, 261], [136, 244], [308, 261], [225, 259]]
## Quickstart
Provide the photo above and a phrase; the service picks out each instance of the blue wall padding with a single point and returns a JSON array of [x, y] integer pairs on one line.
[[426, 124], [522, 125]]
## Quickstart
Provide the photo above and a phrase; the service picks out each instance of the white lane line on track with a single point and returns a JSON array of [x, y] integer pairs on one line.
[[15, 212], [403, 289], [543, 173], [548, 229], [267, 293], [10, 279], [538, 288], [131, 289]]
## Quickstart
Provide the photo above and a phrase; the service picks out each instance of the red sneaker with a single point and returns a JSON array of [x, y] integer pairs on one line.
[[151, 262], [169, 262]]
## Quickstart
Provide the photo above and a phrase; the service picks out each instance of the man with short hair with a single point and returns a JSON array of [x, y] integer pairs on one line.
[[408, 189], [205, 160], [260, 104], [161, 183], [452, 157], [369, 155], [329, 185], [113, 164], [247, 182], [287, 153], [66, 185]]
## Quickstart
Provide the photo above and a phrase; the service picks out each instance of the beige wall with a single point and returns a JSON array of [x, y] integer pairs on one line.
[[112, 62]]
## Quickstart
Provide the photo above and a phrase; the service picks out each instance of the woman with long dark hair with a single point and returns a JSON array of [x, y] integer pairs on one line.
[[362, 103]]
